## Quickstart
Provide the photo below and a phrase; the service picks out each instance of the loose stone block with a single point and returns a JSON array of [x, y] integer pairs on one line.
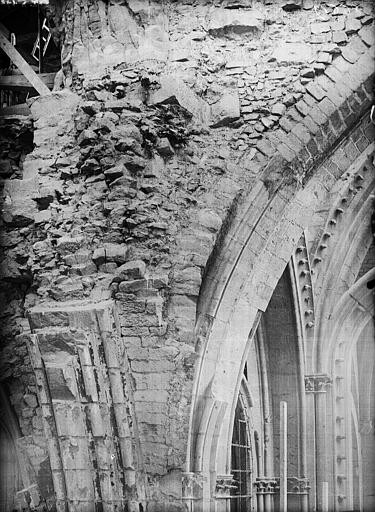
[[19, 209], [110, 253], [226, 110], [164, 148], [174, 91], [291, 5], [293, 53], [67, 244], [131, 270], [228, 22], [352, 25], [339, 37], [320, 28]]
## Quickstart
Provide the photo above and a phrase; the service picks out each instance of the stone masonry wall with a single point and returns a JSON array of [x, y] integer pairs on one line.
[[135, 174]]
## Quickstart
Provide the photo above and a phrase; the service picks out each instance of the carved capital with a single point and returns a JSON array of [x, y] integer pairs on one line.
[[192, 486], [297, 485], [224, 485], [266, 485], [317, 383]]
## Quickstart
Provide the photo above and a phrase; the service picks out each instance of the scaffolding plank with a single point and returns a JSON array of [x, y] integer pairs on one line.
[[22, 65], [15, 110], [20, 82]]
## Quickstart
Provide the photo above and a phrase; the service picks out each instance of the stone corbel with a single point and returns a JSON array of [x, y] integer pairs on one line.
[[317, 383]]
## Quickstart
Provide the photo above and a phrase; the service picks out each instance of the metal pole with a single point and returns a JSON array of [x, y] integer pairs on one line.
[[283, 457]]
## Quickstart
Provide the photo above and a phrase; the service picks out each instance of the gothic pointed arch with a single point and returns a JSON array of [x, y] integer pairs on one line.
[[311, 227]]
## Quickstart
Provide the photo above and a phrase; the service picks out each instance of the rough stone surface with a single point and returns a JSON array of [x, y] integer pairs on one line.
[[124, 218], [290, 5], [288, 53], [172, 91], [226, 110]]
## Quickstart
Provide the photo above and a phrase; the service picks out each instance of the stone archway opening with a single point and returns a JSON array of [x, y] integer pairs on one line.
[[246, 288], [242, 455], [10, 474], [271, 374], [10, 480]]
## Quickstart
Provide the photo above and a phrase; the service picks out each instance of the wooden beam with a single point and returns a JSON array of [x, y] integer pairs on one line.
[[22, 65], [41, 43], [20, 82], [15, 110]]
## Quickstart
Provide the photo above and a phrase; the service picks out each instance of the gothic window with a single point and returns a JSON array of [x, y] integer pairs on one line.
[[242, 463]]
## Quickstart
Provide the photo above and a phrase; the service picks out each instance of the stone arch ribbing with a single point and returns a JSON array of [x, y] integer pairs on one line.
[[344, 257], [273, 216], [350, 316]]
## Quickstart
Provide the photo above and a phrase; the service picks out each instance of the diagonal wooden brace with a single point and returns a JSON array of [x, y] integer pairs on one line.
[[22, 65]]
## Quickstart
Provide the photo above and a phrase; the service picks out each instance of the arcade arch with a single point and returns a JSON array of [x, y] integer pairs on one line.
[[263, 247]]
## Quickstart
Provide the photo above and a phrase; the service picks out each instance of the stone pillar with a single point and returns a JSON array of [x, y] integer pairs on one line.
[[298, 493], [81, 385], [49, 422], [266, 488], [192, 491], [317, 385], [224, 487]]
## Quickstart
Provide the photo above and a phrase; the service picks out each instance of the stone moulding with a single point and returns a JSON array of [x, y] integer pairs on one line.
[[320, 182], [84, 393]]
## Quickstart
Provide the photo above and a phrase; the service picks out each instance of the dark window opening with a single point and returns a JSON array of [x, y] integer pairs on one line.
[[245, 371], [241, 461]]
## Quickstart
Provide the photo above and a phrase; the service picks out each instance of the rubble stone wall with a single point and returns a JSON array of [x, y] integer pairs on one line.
[[174, 117]]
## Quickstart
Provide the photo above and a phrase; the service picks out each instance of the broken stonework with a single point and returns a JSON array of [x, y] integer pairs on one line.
[[130, 270], [150, 210], [291, 5], [174, 91], [19, 209], [164, 148], [66, 244], [110, 253]]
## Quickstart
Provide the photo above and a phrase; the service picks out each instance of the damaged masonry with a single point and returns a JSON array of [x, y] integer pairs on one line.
[[187, 256]]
